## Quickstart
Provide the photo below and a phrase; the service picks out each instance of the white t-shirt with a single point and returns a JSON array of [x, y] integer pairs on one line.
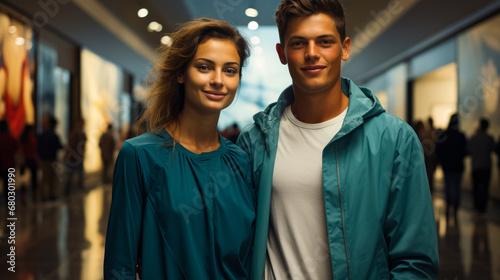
[[297, 243]]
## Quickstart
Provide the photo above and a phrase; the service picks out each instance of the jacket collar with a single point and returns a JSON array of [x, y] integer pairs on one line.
[[272, 114], [362, 106]]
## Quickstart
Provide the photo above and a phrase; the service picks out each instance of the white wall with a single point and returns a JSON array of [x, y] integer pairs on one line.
[[435, 95]]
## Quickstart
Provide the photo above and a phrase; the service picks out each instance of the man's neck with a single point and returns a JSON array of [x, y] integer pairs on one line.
[[319, 107]]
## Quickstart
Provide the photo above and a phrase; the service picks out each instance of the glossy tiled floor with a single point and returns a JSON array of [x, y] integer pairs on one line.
[[64, 239]]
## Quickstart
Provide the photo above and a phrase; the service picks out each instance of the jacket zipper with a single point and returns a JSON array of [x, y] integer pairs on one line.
[[342, 213]]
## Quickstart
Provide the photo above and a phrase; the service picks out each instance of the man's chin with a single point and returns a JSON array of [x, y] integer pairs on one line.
[[312, 88]]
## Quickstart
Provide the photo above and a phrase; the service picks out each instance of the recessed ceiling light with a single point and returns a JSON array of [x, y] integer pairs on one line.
[[253, 25], [154, 26], [12, 29], [19, 41], [255, 40], [142, 12], [166, 40], [258, 50], [251, 12]]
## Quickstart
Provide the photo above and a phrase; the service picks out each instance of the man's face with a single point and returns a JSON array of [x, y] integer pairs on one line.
[[313, 51]]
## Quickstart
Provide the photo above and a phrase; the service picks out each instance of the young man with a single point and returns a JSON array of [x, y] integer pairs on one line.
[[342, 186]]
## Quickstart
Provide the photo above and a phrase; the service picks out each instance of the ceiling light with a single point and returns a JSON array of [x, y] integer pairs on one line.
[[253, 25], [142, 12], [251, 12], [166, 40], [258, 50], [154, 26], [255, 40], [140, 93], [19, 41], [12, 29]]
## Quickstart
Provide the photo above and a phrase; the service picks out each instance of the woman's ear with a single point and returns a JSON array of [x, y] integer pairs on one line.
[[180, 77], [281, 54]]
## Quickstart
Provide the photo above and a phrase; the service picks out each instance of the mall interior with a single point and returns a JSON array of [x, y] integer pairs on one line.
[[84, 64]]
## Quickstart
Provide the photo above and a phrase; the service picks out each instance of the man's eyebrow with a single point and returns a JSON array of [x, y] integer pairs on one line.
[[326, 36], [297, 37], [211, 62]]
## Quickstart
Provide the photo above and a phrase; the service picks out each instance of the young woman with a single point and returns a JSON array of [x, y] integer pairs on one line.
[[183, 203]]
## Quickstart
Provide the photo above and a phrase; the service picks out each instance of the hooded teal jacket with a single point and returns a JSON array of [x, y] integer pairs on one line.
[[379, 212]]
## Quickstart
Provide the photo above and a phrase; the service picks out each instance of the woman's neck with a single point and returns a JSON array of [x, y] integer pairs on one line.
[[196, 132]]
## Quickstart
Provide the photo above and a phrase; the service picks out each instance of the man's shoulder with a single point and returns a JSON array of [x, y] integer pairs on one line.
[[483, 137], [389, 130], [390, 122], [249, 130], [49, 135], [251, 134]]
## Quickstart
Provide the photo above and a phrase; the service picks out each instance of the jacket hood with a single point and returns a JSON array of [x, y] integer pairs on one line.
[[363, 105]]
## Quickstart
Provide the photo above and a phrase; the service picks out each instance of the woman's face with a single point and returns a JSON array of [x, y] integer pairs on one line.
[[211, 78]]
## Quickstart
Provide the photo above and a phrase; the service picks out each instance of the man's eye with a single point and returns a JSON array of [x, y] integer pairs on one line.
[[296, 44]]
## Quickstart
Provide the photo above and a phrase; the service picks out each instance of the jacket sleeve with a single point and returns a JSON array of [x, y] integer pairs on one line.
[[249, 141], [124, 224], [410, 227], [243, 141]]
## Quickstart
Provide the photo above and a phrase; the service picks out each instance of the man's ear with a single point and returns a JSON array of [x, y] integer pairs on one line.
[[346, 48], [180, 77], [281, 53]]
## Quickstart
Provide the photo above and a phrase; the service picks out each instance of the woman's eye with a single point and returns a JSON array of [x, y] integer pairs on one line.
[[231, 71], [203, 68]]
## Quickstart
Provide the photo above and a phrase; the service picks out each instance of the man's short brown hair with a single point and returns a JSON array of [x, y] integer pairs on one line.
[[301, 8]]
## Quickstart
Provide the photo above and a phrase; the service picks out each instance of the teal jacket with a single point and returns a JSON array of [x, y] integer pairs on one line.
[[379, 211]]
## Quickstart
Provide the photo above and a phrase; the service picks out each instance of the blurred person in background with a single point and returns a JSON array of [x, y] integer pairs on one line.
[[498, 152], [107, 143], [480, 147], [427, 137], [75, 154], [231, 132], [49, 144], [429, 146], [183, 203], [451, 150], [29, 146], [8, 149]]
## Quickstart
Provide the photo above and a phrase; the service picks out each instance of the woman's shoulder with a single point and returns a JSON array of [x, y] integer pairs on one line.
[[235, 151], [146, 139], [237, 161], [144, 142]]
